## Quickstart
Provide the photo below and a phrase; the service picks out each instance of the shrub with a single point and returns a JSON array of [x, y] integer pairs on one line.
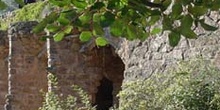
[[30, 12], [54, 101], [193, 85]]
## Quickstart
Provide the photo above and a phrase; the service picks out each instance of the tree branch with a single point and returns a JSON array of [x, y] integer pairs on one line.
[[145, 3], [151, 4]]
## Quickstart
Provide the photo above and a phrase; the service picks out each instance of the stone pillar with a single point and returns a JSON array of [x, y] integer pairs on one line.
[[3, 67], [66, 63], [27, 63]]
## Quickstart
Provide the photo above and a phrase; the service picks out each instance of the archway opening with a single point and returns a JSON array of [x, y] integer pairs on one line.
[[110, 77], [104, 97]]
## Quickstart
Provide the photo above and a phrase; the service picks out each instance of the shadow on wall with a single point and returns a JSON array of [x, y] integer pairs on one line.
[[112, 77], [104, 97]]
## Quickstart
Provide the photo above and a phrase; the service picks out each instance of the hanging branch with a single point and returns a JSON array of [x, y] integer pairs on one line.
[[146, 3]]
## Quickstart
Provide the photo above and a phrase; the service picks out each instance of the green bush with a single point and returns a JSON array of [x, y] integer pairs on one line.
[[193, 85], [54, 101], [30, 12]]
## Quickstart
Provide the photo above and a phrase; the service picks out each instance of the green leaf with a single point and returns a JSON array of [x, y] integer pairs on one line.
[[59, 3], [101, 41], [40, 27], [208, 3], [207, 26], [44, 38], [186, 21], [107, 19], [81, 4], [2, 5], [91, 1], [97, 6], [51, 17], [167, 23], [64, 21], [154, 12], [116, 29], [68, 29], [141, 33], [216, 5], [58, 36], [85, 18], [188, 33], [97, 30], [116, 4], [174, 39], [197, 10], [156, 31], [53, 28], [96, 17], [153, 20], [131, 32], [68, 13], [185, 2], [177, 9], [85, 36], [166, 4]]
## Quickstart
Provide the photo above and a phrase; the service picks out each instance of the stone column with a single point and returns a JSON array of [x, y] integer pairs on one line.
[[65, 63], [27, 63], [71, 67], [3, 67]]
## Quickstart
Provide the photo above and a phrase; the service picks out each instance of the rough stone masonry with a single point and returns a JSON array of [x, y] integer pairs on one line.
[[24, 59], [154, 55]]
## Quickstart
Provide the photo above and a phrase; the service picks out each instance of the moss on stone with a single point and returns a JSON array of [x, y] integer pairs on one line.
[[30, 12]]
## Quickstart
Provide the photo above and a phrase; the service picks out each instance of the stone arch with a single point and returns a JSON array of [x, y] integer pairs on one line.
[[110, 76], [85, 69]]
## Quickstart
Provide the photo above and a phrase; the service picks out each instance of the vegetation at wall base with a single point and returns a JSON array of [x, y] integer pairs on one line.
[[191, 85], [56, 101], [194, 85]]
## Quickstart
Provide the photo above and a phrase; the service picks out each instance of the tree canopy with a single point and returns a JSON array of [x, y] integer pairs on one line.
[[131, 19]]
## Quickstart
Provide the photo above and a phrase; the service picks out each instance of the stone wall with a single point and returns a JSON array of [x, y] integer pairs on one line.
[[27, 66], [26, 61], [3, 67], [84, 69], [156, 56]]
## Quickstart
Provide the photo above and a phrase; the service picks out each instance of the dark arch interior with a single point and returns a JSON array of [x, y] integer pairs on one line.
[[104, 97], [112, 77]]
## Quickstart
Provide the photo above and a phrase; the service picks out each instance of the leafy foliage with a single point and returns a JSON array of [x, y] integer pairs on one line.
[[129, 18], [29, 12], [2, 5], [193, 85], [54, 101]]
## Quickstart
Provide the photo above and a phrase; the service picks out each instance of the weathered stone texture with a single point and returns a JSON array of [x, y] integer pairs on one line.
[[26, 67], [28, 60], [156, 56], [3, 67], [85, 69]]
